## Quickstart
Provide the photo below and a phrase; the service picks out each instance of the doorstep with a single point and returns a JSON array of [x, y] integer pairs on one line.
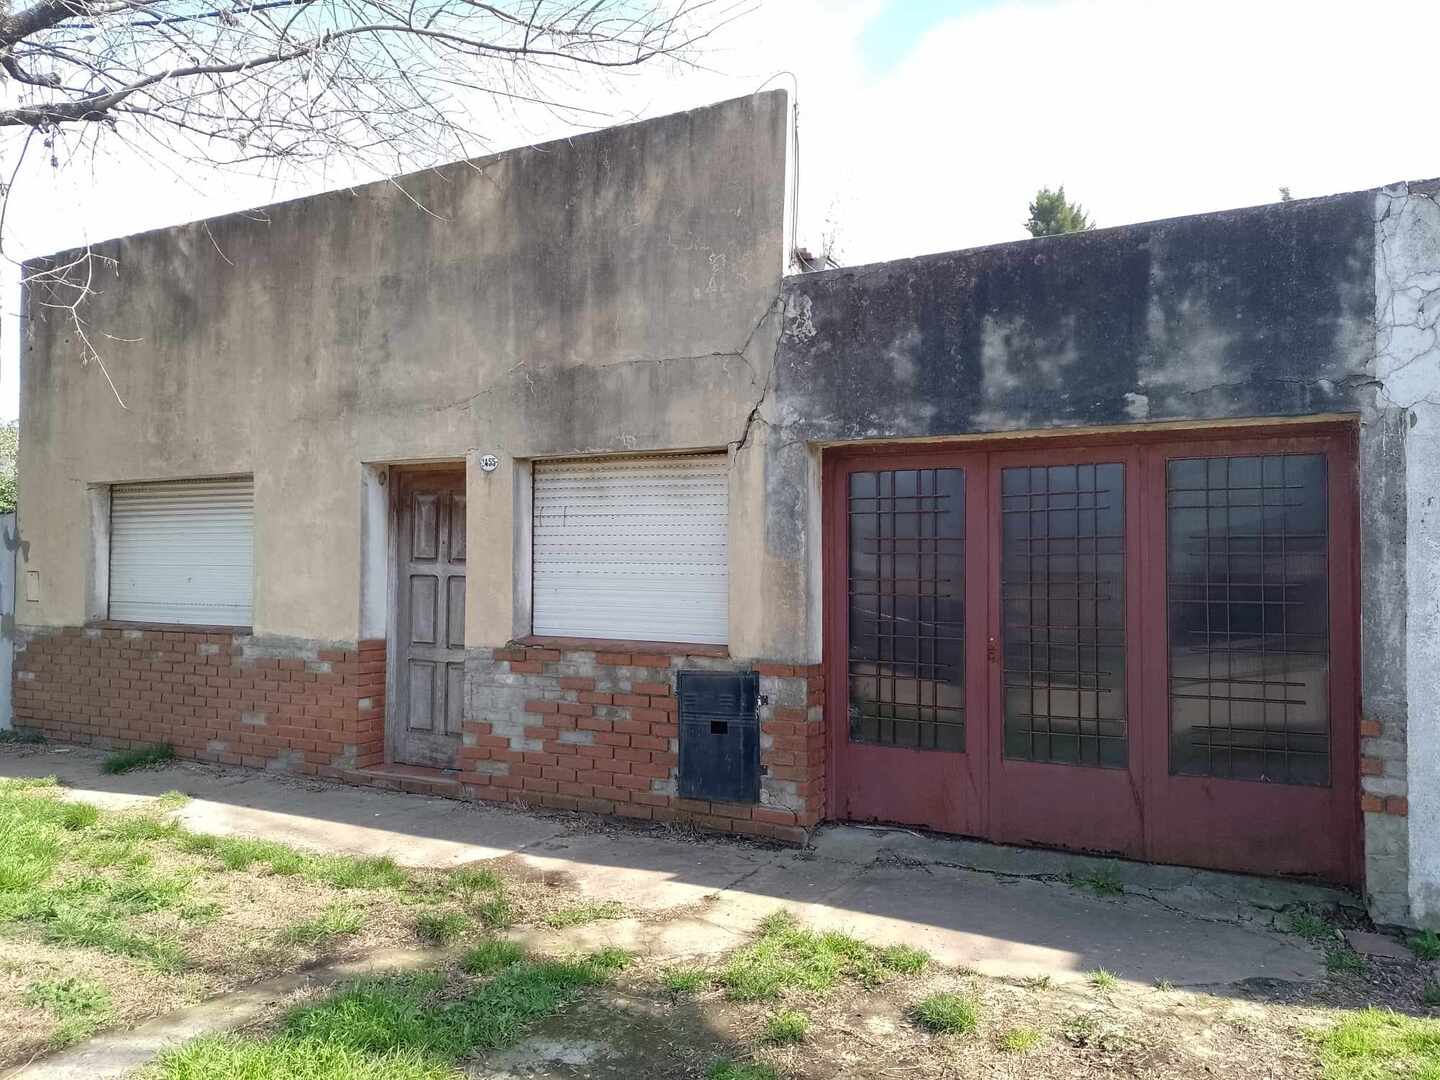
[[414, 779]]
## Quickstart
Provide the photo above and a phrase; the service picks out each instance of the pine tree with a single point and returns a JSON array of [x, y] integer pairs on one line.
[[1051, 214]]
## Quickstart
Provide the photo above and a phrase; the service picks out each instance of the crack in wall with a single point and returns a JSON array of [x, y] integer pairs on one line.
[[1349, 382], [753, 417]]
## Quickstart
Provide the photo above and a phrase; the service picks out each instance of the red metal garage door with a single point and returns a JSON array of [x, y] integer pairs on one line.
[[1141, 648]]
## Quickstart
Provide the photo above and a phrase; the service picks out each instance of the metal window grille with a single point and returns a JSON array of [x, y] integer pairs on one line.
[[1248, 612], [907, 608], [1063, 597]]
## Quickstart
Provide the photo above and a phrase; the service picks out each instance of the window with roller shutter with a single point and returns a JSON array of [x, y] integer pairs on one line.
[[183, 552], [632, 548]]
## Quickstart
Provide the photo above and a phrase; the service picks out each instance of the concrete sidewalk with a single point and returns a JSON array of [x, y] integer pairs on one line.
[[1000, 911]]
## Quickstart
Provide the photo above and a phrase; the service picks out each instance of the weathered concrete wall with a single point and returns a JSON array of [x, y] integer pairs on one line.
[[1260, 312], [8, 544], [603, 293]]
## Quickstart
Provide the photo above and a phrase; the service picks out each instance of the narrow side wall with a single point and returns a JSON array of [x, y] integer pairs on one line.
[[9, 541], [1402, 762]]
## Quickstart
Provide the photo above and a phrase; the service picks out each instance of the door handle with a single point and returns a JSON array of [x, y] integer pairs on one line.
[[992, 651]]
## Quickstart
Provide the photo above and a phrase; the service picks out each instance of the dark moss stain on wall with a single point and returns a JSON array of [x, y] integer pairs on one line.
[[1260, 312]]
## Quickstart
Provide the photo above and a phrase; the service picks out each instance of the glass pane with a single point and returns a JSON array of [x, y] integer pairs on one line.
[[1062, 589], [907, 608], [1248, 605]]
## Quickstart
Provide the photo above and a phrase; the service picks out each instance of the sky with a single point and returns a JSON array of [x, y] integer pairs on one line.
[[928, 125]]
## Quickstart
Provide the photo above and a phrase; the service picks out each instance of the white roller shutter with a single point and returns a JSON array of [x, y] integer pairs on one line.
[[633, 548], [183, 552]]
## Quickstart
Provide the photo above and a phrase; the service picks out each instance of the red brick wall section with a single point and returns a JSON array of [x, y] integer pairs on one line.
[[575, 729], [597, 731], [223, 697], [1382, 770]]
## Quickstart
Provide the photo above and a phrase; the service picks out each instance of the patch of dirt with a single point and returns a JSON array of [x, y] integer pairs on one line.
[[616, 1034], [1254, 1032], [1077, 1031]]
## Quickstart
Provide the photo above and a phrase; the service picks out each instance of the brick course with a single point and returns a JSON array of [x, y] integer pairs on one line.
[[235, 699], [1385, 806], [583, 729]]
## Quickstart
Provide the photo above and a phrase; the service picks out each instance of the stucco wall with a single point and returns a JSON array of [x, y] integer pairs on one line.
[[594, 294]]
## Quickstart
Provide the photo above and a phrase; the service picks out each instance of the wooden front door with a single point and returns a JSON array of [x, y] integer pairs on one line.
[[429, 701], [1142, 648]]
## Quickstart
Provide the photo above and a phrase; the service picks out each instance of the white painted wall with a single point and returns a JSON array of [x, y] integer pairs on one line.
[[1407, 298], [374, 550]]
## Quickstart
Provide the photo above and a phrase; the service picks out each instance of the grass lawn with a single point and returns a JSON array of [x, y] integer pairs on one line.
[[956, 1014], [410, 1027], [1380, 1045], [786, 956], [112, 917], [803, 1005], [140, 757]]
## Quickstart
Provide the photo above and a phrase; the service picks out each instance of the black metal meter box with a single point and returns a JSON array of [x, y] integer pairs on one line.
[[719, 735]]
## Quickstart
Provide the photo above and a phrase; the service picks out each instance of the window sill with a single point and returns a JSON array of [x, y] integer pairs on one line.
[[616, 645], [169, 628]]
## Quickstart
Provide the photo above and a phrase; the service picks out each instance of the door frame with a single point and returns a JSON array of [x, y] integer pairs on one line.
[[394, 474], [1142, 447]]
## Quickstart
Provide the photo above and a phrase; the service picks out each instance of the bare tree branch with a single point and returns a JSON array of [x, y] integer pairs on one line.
[[381, 85]]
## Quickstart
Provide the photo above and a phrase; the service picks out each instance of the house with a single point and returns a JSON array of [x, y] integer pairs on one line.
[[534, 478]]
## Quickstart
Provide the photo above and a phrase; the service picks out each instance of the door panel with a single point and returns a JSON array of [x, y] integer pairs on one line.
[[1258, 770], [424, 510], [423, 589], [1063, 771], [421, 676], [902, 550], [455, 612], [425, 725]]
